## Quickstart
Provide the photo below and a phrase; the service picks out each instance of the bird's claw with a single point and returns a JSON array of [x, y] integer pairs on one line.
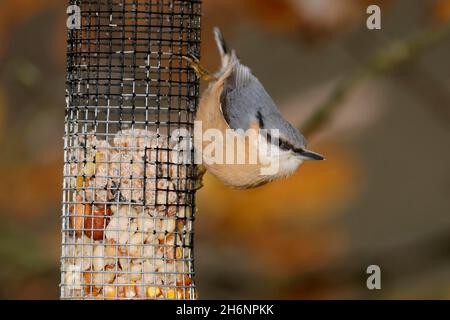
[[201, 72]]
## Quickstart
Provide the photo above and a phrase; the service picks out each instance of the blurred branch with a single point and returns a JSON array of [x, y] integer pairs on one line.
[[385, 60], [424, 86]]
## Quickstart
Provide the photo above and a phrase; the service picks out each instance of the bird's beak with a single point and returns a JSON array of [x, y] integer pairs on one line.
[[309, 155]]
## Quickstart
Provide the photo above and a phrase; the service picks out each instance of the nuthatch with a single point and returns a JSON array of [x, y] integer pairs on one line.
[[234, 103]]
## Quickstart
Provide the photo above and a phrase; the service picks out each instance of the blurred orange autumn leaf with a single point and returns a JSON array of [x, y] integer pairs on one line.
[[28, 189], [312, 17], [14, 12], [441, 11], [289, 251], [274, 221], [315, 189]]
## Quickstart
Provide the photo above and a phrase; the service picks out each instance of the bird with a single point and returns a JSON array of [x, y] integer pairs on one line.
[[257, 145]]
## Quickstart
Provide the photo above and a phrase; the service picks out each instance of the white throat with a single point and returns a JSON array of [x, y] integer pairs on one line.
[[281, 162]]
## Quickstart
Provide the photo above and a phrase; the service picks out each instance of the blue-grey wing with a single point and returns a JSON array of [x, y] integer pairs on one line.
[[244, 101], [243, 96]]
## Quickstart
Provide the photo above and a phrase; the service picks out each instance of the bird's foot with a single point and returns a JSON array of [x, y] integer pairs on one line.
[[199, 180], [201, 72]]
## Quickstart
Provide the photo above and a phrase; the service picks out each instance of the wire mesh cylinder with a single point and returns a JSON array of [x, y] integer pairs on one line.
[[129, 178]]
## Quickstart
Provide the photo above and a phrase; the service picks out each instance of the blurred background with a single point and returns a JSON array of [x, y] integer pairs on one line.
[[376, 103]]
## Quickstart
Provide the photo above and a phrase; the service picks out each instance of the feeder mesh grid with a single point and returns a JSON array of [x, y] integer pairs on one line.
[[128, 191]]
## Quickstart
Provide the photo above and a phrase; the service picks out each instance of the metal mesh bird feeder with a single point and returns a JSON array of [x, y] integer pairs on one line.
[[128, 191]]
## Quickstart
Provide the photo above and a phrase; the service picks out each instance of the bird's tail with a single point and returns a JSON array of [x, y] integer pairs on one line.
[[225, 54]]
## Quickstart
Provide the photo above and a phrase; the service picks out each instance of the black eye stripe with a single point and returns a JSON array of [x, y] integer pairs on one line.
[[260, 120], [282, 144]]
